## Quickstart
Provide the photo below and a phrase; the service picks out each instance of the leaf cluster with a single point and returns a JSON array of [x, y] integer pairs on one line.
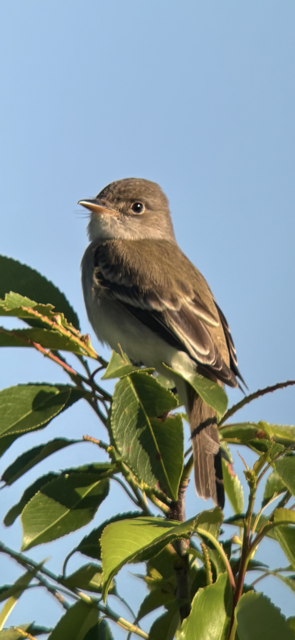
[[197, 572]]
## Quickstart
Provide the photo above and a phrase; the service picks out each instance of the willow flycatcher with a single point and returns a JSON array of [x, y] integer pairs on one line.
[[143, 293]]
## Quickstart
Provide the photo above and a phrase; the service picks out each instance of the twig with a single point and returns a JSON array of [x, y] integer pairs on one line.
[[25, 634], [152, 496], [53, 591], [104, 609], [48, 354], [129, 494], [274, 497], [253, 396], [99, 443], [245, 553], [264, 575], [128, 626], [267, 573], [177, 512], [73, 334], [93, 402], [91, 380]]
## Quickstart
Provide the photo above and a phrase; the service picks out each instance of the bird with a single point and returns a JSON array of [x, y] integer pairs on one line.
[[141, 292]]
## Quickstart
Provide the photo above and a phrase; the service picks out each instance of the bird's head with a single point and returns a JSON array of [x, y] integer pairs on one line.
[[130, 209]]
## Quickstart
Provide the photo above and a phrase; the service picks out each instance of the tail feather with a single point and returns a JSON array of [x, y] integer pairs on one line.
[[206, 449]]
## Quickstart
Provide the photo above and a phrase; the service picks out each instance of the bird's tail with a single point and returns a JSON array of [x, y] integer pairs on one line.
[[206, 449]]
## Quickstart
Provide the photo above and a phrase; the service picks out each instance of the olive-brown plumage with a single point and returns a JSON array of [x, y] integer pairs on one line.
[[141, 291]]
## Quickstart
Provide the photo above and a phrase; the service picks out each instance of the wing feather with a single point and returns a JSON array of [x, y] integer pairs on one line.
[[180, 316]]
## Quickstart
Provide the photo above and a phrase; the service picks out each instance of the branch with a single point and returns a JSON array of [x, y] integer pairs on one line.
[[177, 512], [253, 396], [25, 634], [27, 562], [245, 554], [53, 591]]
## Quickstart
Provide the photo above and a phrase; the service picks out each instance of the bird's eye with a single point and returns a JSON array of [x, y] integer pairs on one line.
[[137, 207]]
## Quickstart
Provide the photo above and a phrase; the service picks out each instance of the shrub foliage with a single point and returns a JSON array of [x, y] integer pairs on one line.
[[197, 573]]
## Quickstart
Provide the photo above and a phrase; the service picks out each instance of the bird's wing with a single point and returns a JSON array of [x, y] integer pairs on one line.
[[230, 345], [178, 315]]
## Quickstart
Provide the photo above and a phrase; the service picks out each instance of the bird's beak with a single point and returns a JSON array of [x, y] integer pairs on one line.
[[95, 206]]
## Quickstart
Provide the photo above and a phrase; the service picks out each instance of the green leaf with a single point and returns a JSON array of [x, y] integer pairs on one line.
[[75, 395], [135, 540], [12, 634], [87, 578], [47, 338], [274, 485], [101, 470], [210, 521], [281, 433], [284, 515], [161, 567], [199, 581], [151, 446], [139, 539], [210, 614], [12, 589], [217, 563], [21, 584], [285, 536], [25, 416], [291, 624], [63, 505], [17, 306], [59, 332], [233, 487], [150, 392], [120, 366], [100, 631], [7, 590], [6, 442], [268, 454], [24, 280], [155, 599], [253, 565], [30, 458], [27, 407], [258, 619], [212, 393], [43, 316], [166, 625], [167, 465], [90, 544], [285, 468], [165, 382], [28, 494], [240, 432], [76, 622], [245, 431]]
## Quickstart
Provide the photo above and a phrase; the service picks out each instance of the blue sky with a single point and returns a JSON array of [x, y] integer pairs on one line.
[[197, 96]]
